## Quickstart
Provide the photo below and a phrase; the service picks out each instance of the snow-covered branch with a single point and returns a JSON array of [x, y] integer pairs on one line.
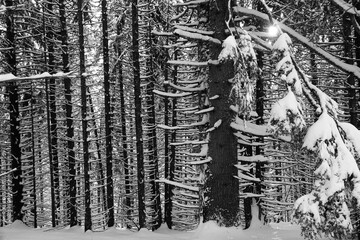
[[8, 172], [347, 7], [180, 185], [306, 42], [196, 36], [10, 77]]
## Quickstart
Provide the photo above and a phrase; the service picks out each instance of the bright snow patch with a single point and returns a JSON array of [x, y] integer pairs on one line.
[[282, 43], [205, 231], [230, 49]]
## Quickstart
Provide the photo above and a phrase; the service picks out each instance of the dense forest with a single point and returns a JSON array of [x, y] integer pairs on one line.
[[135, 113]]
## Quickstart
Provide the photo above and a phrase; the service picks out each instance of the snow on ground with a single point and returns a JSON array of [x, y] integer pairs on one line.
[[207, 231]]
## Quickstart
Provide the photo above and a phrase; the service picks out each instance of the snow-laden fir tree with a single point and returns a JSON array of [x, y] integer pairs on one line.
[[332, 144]]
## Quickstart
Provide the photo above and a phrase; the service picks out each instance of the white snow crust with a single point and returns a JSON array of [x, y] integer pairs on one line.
[[205, 231]]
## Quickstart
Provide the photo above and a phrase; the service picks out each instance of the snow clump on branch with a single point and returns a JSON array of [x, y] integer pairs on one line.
[[230, 50], [286, 116], [285, 67], [241, 52]]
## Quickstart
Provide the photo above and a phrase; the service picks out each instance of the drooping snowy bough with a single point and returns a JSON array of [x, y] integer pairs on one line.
[[241, 52], [326, 208], [332, 144]]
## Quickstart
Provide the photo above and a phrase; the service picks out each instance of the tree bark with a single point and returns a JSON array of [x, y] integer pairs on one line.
[[84, 119], [222, 189], [108, 117], [52, 110], [138, 118], [348, 54], [125, 154], [71, 205], [12, 91]]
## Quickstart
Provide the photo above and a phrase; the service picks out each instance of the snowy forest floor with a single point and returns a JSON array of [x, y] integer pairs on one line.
[[207, 231]]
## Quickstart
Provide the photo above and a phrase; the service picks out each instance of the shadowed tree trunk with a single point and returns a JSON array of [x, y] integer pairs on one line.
[[138, 118], [221, 188], [348, 54], [51, 100], [12, 91], [71, 205], [84, 118], [126, 159], [108, 123]]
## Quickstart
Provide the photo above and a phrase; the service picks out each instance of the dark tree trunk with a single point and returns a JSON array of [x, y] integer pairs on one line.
[[171, 165], [12, 91], [52, 110], [71, 205], [84, 119], [356, 92], [33, 162], [100, 168], [126, 159], [108, 118], [260, 95], [222, 189], [357, 56], [348, 54], [169, 159], [313, 69], [138, 118], [152, 147]]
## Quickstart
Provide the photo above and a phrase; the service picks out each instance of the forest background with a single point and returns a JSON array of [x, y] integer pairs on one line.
[[135, 113]]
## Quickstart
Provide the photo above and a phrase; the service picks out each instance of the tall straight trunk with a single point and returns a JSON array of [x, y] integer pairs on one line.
[[260, 95], [357, 84], [222, 189], [167, 210], [357, 57], [52, 185], [2, 208], [126, 160], [33, 167], [348, 54], [100, 168], [138, 118], [12, 91], [171, 165], [71, 205], [168, 206], [52, 110], [84, 118], [49, 53], [108, 116], [152, 146]]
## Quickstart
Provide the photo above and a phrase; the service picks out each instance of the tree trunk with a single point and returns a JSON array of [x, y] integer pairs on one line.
[[260, 95], [108, 116], [138, 118], [348, 54], [33, 162], [12, 91], [84, 119], [151, 122], [52, 110], [125, 154], [100, 168], [71, 205], [222, 189]]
